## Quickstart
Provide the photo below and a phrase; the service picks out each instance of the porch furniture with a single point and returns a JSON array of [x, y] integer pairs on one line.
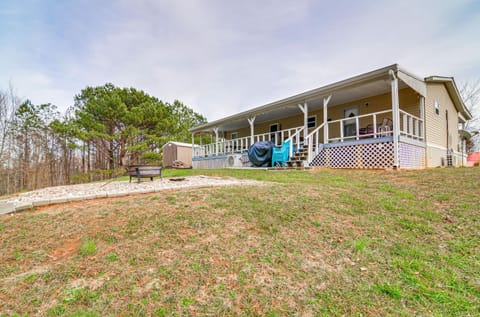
[[366, 132], [144, 171], [386, 127], [280, 155], [260, 153]]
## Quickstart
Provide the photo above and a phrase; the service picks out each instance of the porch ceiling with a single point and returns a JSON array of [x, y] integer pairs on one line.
[[359, 87]]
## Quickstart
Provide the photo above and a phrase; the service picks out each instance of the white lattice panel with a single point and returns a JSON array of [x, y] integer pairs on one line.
[[377, 155], [374, 155], [411, 156]]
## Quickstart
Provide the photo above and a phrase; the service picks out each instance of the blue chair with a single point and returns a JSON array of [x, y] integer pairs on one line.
[[281, 154]]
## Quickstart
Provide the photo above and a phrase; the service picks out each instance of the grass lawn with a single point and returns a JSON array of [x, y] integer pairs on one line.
[[324, 242]]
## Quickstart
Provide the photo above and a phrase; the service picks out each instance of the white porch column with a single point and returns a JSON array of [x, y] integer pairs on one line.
[[251, 121], [304, 109], [396, 116], [422, 116], [325, 119], [216, 140]]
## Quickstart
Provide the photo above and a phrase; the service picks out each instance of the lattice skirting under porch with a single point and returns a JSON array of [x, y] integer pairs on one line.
[[411, 156], [374, 155]]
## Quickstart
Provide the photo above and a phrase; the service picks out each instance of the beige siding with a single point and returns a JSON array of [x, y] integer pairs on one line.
[[436, 124], [184, 154], [173, 152]]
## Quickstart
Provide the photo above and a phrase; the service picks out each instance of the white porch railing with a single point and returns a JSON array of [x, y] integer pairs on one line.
[[372, 125], [411, 126], [240, 145], [314, 138], [350, 129], [295, 139], [277, 137]]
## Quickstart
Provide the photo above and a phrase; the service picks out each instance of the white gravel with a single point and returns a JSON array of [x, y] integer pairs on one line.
[[63, 194]]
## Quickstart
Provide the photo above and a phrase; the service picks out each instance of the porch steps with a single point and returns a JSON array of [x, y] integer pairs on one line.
[[280, 168], [298, 159]]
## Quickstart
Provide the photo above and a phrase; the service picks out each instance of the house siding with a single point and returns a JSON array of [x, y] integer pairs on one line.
[[436, 124]]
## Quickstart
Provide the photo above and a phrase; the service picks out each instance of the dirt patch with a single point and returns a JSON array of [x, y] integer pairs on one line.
[[68, 248]]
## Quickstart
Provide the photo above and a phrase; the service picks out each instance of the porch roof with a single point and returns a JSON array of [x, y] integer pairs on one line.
[[361, 86]]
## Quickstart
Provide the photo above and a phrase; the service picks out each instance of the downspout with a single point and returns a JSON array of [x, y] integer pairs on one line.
[[396, 117], [448, 143]]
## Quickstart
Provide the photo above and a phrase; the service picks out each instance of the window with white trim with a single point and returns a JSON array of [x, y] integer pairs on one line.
[[312, 122], [234, 135]]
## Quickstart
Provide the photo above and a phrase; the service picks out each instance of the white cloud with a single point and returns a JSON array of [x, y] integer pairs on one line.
[[223, 57]]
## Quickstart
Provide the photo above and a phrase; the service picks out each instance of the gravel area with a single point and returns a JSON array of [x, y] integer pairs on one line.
[[64, 194]]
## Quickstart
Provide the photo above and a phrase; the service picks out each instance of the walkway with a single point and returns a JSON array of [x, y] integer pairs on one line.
[[65, 194]]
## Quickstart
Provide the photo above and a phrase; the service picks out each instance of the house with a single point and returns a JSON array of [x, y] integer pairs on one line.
[[386, 118], [177, 151]]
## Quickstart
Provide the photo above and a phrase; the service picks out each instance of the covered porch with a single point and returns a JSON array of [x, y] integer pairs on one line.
[[380, 109]]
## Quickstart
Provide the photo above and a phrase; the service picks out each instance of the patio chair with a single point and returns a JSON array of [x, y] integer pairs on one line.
[[386, 127], [280, 155]]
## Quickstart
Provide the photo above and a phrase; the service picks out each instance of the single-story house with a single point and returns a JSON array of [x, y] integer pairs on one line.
[[386, 118]]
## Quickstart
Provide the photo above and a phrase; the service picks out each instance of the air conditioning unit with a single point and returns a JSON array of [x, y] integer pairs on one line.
[[234, 160]]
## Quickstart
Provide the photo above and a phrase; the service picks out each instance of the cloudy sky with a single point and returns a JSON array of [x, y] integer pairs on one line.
[[221, 57]]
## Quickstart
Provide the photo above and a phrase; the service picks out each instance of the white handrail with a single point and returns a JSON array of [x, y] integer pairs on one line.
[[310, 142], [290, 150]]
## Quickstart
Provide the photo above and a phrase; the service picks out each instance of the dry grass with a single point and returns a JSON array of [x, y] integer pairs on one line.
[[315, 243]]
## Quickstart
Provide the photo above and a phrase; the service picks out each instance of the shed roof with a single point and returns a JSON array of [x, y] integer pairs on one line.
[[177, 144]]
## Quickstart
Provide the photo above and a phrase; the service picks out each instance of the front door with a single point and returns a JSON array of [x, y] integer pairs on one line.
[[350, 126], [273, 133]]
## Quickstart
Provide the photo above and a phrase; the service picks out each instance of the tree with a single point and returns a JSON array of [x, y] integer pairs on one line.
[[185, 118], [470, 92], [107, 127], [31, 129], [9, 103], [128, 125]]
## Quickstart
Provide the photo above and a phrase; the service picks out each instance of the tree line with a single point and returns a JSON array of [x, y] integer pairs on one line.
[[106, 128]]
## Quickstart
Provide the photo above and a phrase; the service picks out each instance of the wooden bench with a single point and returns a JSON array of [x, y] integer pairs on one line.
[[144, 171]]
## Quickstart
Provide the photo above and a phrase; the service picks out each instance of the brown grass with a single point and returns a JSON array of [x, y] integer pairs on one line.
[[320, 242]]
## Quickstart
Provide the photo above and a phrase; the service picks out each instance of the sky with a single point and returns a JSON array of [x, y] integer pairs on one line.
[[222, 57]]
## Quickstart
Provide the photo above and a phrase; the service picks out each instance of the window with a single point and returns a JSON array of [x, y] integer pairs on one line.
[[437, 107], [312, 122], [234, 135]]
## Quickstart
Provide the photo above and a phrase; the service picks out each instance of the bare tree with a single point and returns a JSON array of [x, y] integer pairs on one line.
[[9, 103], [470, 92]]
